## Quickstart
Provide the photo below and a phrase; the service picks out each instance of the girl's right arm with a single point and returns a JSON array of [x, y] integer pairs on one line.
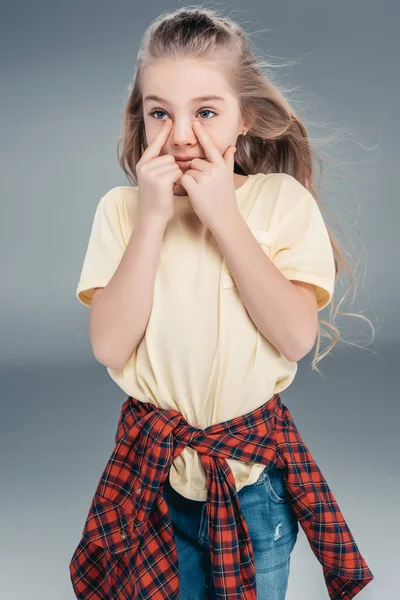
[[119, 314]]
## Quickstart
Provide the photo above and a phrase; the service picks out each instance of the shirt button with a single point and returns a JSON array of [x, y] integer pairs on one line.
[[123, 534], [138, 490]]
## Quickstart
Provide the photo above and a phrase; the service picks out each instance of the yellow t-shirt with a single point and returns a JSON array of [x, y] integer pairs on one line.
[[201, 353]]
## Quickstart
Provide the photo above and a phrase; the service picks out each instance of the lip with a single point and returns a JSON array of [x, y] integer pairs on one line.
[[184, 164]]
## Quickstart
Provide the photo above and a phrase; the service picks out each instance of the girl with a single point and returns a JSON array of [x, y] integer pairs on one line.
[[205, 280]]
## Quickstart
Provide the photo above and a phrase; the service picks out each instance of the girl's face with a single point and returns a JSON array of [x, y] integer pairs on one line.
[[178, 86]]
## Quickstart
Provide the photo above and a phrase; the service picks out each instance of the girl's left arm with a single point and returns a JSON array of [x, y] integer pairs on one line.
[[285, 312]]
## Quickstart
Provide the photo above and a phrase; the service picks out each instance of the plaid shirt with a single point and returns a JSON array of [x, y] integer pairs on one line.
[[127, 549]]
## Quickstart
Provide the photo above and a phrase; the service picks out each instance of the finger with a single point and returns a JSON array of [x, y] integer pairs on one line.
[[229, 157], [188, 182], [194, 174], [164, 168], [154, 148], [212, 152], [200, 164]]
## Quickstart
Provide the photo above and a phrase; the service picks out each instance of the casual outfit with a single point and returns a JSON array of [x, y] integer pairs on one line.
[[196, 382]]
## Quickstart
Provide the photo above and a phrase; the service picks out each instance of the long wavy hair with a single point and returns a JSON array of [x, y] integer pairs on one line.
[[277, 140]]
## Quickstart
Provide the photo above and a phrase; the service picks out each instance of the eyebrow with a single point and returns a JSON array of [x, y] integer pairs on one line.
[[198, 99]]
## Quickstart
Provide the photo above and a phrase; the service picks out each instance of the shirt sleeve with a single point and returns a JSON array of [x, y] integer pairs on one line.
[[105, 248], [302, 249]]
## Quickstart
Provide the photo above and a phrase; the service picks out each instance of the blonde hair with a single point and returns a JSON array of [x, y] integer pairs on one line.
[[277, 140]]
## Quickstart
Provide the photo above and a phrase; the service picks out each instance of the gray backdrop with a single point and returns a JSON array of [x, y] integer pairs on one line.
[[65, 68]]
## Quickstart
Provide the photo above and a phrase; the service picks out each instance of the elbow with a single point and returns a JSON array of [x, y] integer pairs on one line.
[[113, 360], [294, 356], [298, 350], [112, 351], [103, 352], [107, 362]]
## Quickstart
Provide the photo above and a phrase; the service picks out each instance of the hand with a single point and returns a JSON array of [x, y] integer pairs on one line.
[[210, 184], [156, 176]]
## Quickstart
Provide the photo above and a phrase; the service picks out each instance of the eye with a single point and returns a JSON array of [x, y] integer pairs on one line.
[[159, 110]]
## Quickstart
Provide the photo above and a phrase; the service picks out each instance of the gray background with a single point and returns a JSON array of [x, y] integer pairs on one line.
[[65, 68]]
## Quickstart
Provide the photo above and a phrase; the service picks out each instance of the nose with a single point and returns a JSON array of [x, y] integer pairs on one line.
[[182, 133]]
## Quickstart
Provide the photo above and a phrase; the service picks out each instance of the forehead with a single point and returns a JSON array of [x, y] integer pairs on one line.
[[186, 82]]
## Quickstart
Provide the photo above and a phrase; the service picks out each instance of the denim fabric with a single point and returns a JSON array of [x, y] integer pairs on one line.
[[273, 529]]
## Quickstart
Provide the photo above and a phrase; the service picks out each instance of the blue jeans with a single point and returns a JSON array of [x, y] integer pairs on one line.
[[273, 529]]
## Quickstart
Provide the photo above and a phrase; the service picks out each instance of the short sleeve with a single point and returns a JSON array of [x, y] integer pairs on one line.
[[105, 248], [302, 249]]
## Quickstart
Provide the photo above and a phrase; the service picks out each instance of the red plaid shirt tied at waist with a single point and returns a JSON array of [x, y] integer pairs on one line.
[[127, 549]]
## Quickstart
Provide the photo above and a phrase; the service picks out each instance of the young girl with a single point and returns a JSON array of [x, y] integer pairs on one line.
[[205, 280]]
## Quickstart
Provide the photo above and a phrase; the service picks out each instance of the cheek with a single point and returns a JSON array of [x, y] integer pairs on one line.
[[150, 131], [222, 140]]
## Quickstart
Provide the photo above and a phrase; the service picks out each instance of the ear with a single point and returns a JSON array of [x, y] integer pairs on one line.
[[248, 124]]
